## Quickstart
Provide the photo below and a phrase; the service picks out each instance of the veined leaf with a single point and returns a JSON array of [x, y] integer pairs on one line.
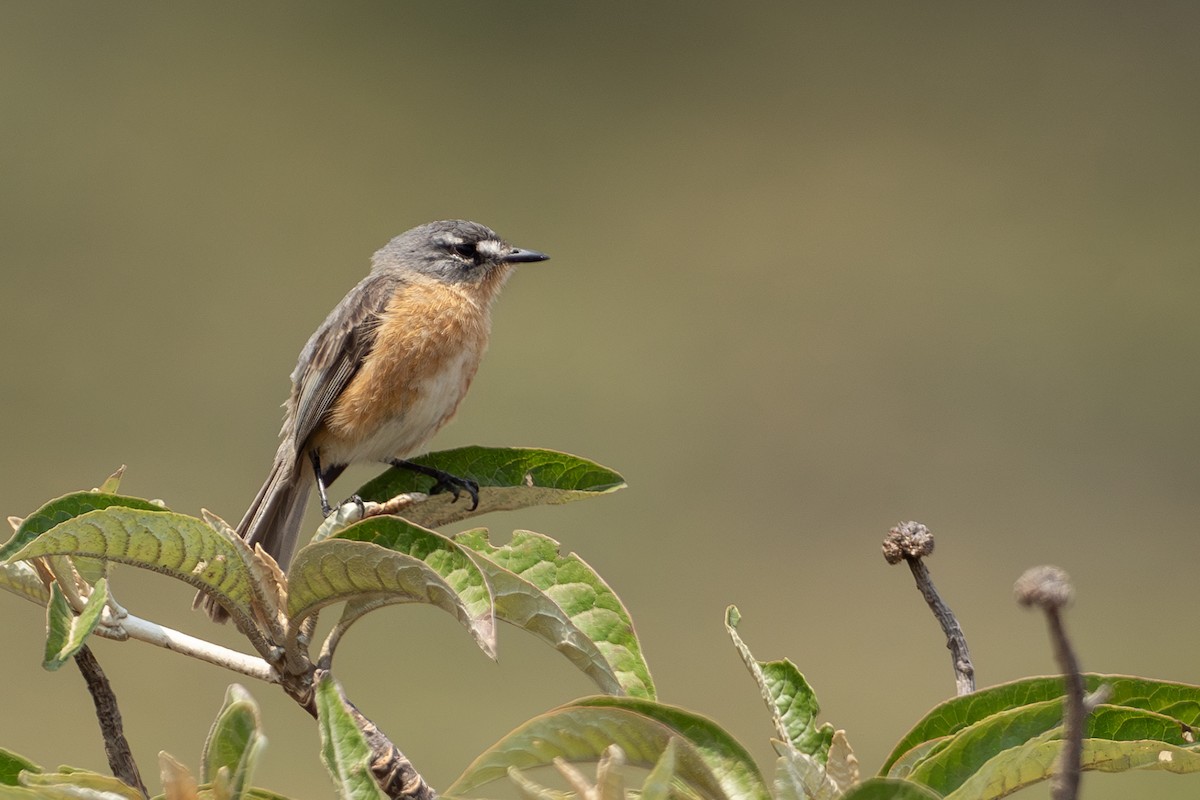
[[890, 789], [564, 602], [508, 478], [1018, 767], [1015, 748], [1178, 700], [66, 633], [345, 752], [235, 742], [174, 544], [64, 508], [580, 732], [367, 575], [22, 579], [727, 759], [792, 702], [78, 784]]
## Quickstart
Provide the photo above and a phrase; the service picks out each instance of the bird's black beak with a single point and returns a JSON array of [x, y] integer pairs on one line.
[[519, 256]]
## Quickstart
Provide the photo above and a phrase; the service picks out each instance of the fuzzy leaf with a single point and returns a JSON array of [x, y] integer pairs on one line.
[[174, 544], [792, 702], [343, 749], [22, 579], [64, 508], [932, 734], [368, 575], [235, 741], [577, 733], [67, 633], [564, 602]]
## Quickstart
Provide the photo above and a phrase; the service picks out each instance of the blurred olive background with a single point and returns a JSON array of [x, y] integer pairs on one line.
[[816, 269]]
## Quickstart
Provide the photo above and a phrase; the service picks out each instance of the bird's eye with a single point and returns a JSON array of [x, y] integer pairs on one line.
[[464, 250]]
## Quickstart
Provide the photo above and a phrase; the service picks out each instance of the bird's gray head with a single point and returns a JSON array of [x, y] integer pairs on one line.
[[453, 251]]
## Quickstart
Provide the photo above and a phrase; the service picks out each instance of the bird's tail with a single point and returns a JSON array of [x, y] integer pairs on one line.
[[273, 519]]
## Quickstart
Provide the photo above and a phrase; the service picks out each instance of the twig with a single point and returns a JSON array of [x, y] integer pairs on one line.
[[116, 746], [1049, 589], [910, 541], [131, 627]]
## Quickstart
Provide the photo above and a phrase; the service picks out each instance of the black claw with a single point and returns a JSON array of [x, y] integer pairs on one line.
[[444, 481], [358, 501]]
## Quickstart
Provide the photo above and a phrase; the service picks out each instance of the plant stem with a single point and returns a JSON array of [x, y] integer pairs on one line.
[[116, 746]]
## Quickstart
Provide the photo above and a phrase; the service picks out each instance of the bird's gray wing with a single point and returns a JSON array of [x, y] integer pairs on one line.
[[334, 353]]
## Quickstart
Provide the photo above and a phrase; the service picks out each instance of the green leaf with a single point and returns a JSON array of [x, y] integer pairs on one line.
[[564, 602], [1016, 747], [792, 702], [1177, 700], [174, 544], [580, 732], [658, 783], [1030, 763], [113, 482], [64, 508], [22, 579], [235, 742], [67, 633], [368, 575], [79, 784], [890, 789], [509, 478], [344, 751], [11, 765]]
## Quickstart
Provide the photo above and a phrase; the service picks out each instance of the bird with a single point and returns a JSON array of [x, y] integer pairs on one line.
[[383, 373]]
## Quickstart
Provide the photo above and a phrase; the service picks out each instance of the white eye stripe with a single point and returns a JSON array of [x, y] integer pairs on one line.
[[489, 248]]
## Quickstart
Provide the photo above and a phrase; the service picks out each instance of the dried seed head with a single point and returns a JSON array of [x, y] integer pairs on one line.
[[1047, 587], [907, 540]]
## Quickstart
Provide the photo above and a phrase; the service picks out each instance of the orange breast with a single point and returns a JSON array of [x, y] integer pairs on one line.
[[427, 348]]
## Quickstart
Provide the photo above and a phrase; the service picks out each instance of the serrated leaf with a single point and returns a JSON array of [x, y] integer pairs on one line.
[[792, 702], [890, 789], [64, 508], [582, 733], [235, 741], [367, 575], [79, 784], [724, 756], [566, 603], [22, 579], [11, 766], [66, 633], [509, 478], [344, 751], [174, 544], [1178, 700]]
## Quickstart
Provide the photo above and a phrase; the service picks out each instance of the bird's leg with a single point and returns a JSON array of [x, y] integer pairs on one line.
[[327, 476], [315, 457], [444, 481]]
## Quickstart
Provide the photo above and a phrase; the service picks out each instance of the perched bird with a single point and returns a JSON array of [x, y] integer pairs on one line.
[[384, 371]]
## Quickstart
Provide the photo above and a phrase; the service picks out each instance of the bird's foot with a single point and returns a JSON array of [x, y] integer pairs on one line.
[[443, 481]]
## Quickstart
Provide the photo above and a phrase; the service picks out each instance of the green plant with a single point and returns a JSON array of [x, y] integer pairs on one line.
[[982, 744]]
